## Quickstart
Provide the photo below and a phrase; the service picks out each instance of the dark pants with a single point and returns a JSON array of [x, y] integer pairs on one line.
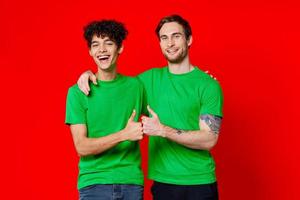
[[112, 192], [162, 191]]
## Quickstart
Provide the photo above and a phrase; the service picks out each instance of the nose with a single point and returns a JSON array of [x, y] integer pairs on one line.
[[170, 42], [102, 48]]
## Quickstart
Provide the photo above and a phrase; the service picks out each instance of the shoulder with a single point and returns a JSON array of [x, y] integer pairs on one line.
[[153, 71], [206, 80], [149, 74], [132, 80], [74, 91], [74, 88]]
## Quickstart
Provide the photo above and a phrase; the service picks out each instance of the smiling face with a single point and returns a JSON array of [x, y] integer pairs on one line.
[[173, 43], [105, 52]]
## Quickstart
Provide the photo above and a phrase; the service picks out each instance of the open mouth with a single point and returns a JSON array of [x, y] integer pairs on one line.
[[172, 51], [103, 58]]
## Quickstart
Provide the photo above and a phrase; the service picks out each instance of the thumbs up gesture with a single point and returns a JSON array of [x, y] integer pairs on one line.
[[152, 125], [133, 130]]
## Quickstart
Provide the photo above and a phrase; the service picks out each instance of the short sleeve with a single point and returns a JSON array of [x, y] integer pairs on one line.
[[212, 100], [75, 107], [146, 80]]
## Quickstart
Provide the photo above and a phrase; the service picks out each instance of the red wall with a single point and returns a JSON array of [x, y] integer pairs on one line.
[[252, 48]]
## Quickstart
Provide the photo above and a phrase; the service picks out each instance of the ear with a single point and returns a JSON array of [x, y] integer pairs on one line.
[[120, 49], [190, 41]]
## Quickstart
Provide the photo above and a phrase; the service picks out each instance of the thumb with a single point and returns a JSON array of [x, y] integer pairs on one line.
[[93, 79], [151, 111], [131, 118]]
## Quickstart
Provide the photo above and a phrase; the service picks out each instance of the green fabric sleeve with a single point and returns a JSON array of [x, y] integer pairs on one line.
[[75, 107], [212, 100]]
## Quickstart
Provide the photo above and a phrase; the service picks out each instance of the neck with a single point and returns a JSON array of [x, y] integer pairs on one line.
[[106, 75], [181, 67]]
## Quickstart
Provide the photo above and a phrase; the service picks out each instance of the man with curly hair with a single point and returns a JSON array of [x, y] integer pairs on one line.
[[104, 124], [186, 114]]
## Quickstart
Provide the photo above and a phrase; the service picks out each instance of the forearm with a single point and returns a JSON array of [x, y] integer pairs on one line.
[[92, 146], [199, 139], [204, 139]]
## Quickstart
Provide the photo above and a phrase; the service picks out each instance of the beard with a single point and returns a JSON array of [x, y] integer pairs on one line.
[[178, 59]]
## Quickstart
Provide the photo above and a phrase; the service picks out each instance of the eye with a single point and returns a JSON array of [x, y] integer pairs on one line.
[[95, 45], [163, 38], [109, 42]]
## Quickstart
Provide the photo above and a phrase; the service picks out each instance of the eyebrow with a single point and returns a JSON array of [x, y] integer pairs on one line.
[[175, 33], [105, 40]]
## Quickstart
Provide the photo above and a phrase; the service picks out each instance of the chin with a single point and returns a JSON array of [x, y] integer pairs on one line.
[[105, 67], [173, 59]]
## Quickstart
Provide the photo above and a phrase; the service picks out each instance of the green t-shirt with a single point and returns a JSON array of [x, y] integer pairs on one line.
[[105, 111], [179, 100]]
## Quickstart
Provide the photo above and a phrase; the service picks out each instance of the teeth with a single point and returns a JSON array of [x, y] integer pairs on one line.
[[102, 57], [171, 51]]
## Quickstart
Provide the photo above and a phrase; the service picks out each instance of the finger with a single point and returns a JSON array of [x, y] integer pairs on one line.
[[139, 124], [93, 78], [207, 71], [146, 126], [151, 111], [145, 119], [87, 86], [85, 92], [131, 118], [145, 131], [82, 88]]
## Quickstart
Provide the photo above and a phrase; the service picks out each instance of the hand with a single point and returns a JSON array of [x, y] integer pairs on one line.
[[210, 75], [133, 130], [152, 126], [83, 81]]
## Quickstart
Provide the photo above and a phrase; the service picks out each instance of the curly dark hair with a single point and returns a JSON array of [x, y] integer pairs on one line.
[[175, 18], [116, 31]]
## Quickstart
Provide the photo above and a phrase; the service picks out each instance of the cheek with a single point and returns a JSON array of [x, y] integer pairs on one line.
[[162, 45], [92, 52]]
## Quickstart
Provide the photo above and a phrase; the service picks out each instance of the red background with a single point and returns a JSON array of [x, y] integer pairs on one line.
[[252, 48]]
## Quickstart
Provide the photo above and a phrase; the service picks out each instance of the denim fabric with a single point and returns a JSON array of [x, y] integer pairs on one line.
[[112, 192]]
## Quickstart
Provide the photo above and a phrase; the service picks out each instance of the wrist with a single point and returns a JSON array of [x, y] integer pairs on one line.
[[168, 132], [163, 131], [122, 135]]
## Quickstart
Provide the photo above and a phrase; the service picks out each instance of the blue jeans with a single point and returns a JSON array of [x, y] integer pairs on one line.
[[112, 192]]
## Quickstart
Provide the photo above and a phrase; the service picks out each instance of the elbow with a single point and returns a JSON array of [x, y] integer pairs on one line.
[[209, 145], [82, 153], [81, 150]]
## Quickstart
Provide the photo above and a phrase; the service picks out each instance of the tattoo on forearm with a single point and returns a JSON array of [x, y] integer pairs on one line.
[[179, 132], [213, 122]]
